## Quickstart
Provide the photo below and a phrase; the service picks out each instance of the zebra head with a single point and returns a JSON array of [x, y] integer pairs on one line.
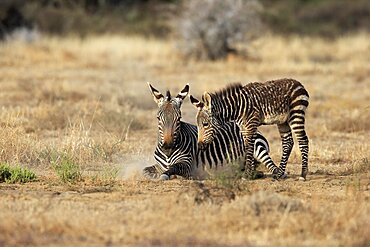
[[206, 122], [169, 116]]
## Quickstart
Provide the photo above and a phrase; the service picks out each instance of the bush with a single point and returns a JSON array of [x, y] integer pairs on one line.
[[17, 174], [209, 29], [67, 170]]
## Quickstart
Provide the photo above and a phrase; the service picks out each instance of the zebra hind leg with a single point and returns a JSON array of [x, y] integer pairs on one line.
[[297, 125], [303, 147], [287, 146]]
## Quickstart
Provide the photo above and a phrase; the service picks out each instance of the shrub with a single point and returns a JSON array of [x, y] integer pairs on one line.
[[16, 174], [209, 29], [67, 170]]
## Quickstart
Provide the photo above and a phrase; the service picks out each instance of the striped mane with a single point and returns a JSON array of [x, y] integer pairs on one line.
[[228, 90]]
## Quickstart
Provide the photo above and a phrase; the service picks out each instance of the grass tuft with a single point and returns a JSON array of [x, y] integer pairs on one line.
[[229, 178], [16, 174], [67, 170], [107, 176]]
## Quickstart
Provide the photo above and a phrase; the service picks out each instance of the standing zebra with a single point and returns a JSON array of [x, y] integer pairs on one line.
[[177, 151], [282, 102]]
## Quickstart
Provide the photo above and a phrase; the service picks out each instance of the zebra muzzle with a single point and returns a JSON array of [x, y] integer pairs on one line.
[[202, 146], [167, 151]]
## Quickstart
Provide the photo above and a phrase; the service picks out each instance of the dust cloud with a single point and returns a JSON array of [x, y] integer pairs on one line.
[[131, 166]]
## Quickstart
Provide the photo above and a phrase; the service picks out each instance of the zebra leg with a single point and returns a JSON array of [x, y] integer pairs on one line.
[[151, 172], [303, 147], [181, 169], [287, 146], [297, 125], [249, 139], [266, 160], [261, 156]]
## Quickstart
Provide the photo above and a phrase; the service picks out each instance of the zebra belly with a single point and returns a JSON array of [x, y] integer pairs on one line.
[[275, 119]]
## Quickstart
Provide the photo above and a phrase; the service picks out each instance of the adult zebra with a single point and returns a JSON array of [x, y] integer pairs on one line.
[[177, 151], [282, 102]]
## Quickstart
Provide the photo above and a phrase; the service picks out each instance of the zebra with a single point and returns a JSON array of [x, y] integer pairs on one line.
[[177, 151], [282, 102]]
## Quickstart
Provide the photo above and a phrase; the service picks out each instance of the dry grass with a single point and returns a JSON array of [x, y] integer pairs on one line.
[[87, 100]]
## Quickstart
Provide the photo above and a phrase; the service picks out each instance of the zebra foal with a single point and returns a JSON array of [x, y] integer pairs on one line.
[[177, 151], [282, 102]]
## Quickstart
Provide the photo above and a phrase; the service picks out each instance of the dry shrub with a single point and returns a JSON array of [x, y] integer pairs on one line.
[[202, 193], [16, 146], [355, 121], [120, 121], [263, 202], [47, 117], [210, 29], [83, 148], [55, 92], [359, 166]]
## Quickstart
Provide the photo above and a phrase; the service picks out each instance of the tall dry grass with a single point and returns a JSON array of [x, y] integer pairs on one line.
[[88, 97]]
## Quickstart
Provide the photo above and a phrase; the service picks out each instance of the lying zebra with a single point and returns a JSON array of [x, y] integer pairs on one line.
[[177, 151]]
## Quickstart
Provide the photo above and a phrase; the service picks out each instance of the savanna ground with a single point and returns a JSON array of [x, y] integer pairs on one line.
[[86, 103]]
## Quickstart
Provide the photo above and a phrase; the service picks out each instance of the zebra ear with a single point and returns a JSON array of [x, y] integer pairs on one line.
[[156, 94], [207, 100], [183, 93], [196, 102]]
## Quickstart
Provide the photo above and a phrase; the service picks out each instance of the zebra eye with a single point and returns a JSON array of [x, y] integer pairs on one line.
[[205, 124]]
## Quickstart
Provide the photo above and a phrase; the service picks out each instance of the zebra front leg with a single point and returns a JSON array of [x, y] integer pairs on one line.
[[151, 172], [249, 137], [261, 156], [266, 160], [180, 169]]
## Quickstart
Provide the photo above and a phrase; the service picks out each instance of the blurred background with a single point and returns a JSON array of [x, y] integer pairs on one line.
[[165, 18]]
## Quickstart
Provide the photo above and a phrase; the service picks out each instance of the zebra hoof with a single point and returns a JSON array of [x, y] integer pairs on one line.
[[164, 177], [283, 176], [258, 175], [279, 176], [301, 179]]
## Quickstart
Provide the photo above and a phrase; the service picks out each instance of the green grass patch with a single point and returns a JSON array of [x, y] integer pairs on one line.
[[16, 174], [230, 178], [67, 170]]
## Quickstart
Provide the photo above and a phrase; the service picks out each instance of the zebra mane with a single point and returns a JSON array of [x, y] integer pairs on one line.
[[168, 95], [227, 90]]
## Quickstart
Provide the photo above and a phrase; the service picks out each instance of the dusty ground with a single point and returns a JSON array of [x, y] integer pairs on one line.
[[88, 101]]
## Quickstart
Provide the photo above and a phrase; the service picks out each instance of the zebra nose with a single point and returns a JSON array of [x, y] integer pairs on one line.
[[168, 145], [167, 150]]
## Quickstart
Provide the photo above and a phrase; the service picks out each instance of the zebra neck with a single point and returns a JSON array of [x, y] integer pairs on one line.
[[226, 109]]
